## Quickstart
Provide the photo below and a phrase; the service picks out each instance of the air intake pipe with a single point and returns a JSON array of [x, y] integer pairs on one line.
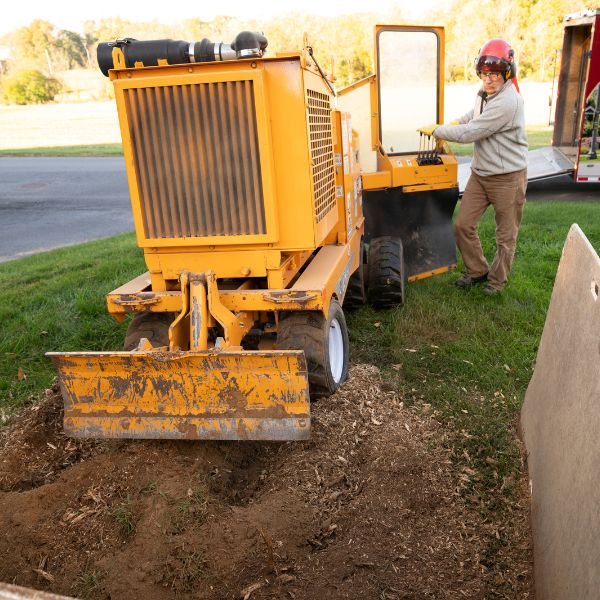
[[247, 44]]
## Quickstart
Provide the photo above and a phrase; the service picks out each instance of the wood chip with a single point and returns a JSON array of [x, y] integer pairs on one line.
[[247, 591], [45, 575]]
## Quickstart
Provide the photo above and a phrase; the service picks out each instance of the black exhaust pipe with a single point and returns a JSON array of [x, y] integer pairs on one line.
[[247, 44]]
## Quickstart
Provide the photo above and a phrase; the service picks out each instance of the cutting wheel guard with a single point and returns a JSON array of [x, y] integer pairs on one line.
[[422, 220]]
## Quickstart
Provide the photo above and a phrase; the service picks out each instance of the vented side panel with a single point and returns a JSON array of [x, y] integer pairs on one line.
[[321, 152], [197, 159]]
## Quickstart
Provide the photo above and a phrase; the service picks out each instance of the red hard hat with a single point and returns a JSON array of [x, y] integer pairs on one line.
[[497, 56]]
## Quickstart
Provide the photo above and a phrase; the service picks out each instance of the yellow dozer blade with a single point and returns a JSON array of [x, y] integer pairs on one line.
[[244, 395]]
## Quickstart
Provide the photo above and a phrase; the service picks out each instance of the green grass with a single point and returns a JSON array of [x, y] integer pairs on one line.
[[469, 357], [191, 510], [55, 301], [124, 518], [89, 584], [538, 136], [84, 150]]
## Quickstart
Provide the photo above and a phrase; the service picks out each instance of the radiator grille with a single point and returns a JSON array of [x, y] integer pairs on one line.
[[197, 161], [321, 152]]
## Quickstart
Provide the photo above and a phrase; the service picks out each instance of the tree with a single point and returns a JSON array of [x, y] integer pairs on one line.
[[34, 41], [533, 27], [69, 45]]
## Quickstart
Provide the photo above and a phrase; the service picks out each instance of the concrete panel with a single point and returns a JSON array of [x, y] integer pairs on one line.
[[561, 426]]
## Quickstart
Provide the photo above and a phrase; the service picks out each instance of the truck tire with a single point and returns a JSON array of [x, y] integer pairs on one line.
[[152, 326], [387, 274], [356, 292], [325, 344]]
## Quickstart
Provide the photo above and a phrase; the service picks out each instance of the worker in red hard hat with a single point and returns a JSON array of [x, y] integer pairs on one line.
[[496, 126]]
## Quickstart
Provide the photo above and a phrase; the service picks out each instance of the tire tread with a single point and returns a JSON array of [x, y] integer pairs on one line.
[[387, 277]]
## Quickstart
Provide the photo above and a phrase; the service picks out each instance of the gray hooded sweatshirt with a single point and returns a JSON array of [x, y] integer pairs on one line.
[[497, 126]]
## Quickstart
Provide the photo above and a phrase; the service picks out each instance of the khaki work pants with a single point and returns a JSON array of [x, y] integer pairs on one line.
[[506, 193]]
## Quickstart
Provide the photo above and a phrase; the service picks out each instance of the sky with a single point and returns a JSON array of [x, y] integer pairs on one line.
[[71, 15]]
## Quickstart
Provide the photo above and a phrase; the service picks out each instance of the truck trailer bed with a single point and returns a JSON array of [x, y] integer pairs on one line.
[[543, 163]]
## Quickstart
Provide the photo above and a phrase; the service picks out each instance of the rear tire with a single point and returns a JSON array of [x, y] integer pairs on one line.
[[152, 326], [356, 292], [325, 344], [387, 273]]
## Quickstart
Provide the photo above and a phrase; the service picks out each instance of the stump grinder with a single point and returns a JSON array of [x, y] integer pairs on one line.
[[248, 183]]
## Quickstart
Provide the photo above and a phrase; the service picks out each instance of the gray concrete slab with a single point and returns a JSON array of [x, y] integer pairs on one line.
[[46, 203], [561, 426]]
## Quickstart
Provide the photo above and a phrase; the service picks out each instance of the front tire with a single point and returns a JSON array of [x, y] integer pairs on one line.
[[325, 344], [387, 273]]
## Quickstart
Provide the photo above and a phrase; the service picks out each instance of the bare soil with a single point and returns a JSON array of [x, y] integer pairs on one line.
[[371, 507]]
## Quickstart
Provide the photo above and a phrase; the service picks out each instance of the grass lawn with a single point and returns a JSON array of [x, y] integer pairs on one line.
[[465, 356], [470, 357], [538, 136], [55, 301], [91, 150]]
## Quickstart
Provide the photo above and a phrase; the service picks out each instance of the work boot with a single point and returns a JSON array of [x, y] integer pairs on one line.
[[488, 290], [466, 280]]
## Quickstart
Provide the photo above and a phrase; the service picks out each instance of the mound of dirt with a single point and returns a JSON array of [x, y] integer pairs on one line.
[[370, 507]]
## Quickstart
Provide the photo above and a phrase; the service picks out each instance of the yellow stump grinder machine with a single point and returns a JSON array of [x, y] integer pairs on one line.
[[247, 181]]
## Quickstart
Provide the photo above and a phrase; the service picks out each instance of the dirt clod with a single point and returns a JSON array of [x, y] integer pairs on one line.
[[370, 507]]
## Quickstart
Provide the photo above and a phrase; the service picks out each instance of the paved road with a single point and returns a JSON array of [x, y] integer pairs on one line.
[[46, 203]]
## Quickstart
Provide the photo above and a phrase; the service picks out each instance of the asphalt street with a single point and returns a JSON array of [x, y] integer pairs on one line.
[[47, 203]]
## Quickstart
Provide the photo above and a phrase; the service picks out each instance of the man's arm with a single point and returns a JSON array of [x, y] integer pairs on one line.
[[493, 119], [465, 118]]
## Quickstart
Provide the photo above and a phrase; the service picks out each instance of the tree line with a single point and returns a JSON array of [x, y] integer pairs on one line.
[[534, 28]]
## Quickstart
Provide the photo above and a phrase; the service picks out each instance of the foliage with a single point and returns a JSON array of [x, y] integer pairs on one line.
[[533, 27], [72, 47], [39, 46], [31, 42], [30, 87]]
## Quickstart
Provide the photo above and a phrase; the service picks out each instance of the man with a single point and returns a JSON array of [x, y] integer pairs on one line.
[[496, 125]]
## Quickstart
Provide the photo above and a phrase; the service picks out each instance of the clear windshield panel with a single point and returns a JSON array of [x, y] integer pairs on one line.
[[408, 86]]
